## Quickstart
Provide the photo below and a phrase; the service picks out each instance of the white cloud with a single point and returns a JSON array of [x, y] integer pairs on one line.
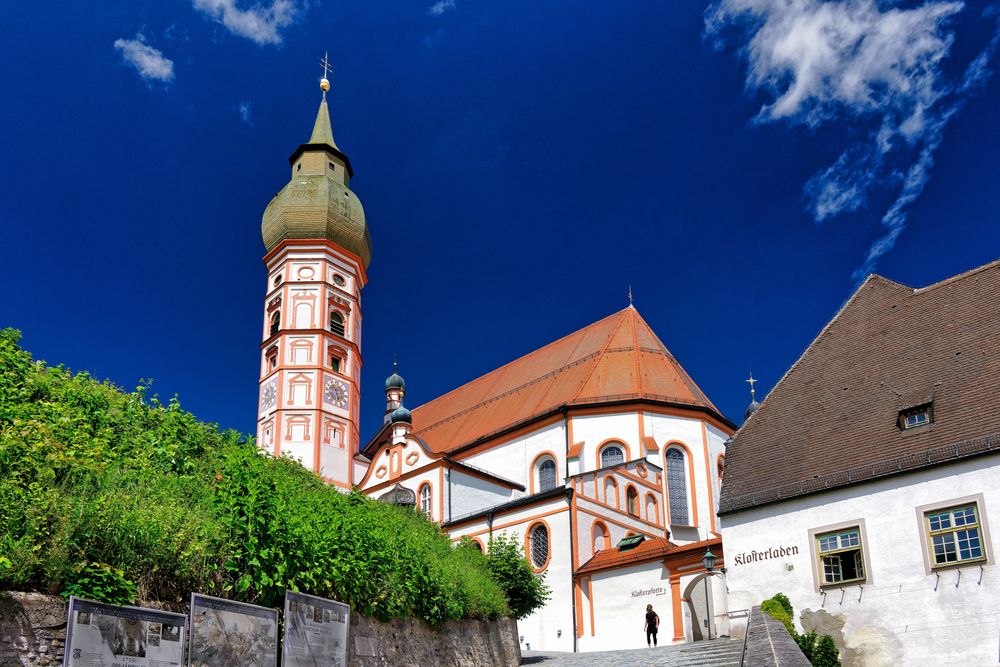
[[865, 62], [246, 113], [150, 63], [441, 7], [261, 23]]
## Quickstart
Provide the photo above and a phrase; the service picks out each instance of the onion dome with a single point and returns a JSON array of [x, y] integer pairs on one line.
[[394, 381], [400, 414], [752, 408], [317, 203]]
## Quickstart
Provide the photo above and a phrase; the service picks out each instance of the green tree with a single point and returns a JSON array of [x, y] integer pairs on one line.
[[525, 590]]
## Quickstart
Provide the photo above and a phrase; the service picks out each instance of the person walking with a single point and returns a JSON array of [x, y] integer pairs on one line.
[[652, 625]]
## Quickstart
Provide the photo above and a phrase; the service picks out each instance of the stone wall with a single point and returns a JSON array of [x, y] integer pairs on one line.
[[33, 631], [768, 643]]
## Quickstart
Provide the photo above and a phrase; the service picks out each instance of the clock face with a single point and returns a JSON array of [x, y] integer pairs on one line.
[[335, 391], [269, 396]]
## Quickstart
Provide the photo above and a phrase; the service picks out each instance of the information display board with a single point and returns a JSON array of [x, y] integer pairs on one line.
[[232, 634], [315, 632], [105, 635]]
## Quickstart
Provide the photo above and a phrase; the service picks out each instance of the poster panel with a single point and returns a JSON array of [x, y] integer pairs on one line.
[[315, 631], [105, 635], [232, 634]]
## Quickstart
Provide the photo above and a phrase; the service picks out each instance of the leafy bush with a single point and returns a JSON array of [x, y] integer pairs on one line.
[[525, 590], [116, 494], [780, 610], [821, 651], [97, 581]]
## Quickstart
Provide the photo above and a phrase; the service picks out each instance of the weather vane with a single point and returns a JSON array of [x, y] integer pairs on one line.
[[324, 83], [630, 295], [751, 382]]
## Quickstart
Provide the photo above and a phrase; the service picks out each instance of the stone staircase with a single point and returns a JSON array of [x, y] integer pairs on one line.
[[714, 653]]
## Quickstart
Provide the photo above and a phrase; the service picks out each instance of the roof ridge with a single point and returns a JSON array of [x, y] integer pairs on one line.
[[604, 350], [961, 276], [692, 386], [515, 360], [635, 354], [808, 347]]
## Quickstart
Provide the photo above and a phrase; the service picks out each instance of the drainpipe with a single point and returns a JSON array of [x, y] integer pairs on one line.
[[572, 531], [448, 472], [572, 574]]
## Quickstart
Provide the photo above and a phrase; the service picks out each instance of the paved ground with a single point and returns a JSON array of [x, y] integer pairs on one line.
[[717, 653]]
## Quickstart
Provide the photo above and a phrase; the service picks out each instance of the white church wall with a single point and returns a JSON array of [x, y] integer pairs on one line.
[[550, 628], [470, 494], [595, 430], [512, 459], [901, 615], [619, 602], [667, 429]]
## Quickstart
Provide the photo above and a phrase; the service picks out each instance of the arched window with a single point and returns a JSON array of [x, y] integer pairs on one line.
[[612, 455], [677, 486], [602, 538], [547, 475], [652, 511], [538, 539], [721, 467], [336, 323], [477, 546], [425, 500], [611, 492], [275, 322], [632, 501]]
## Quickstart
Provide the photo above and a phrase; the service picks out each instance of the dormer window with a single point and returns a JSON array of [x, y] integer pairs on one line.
[[915, 417]]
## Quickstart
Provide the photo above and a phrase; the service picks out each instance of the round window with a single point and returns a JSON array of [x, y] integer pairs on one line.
[[339, 280]]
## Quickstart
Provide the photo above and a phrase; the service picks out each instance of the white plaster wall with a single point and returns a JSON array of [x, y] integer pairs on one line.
[[512, 460], [665, 429], [593, 430], [620, 597], [540, 629], [901, 615], [470, 494]]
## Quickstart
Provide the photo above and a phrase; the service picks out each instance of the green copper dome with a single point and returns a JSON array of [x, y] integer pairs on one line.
[[317, 203], [395, 381], [401, 414]]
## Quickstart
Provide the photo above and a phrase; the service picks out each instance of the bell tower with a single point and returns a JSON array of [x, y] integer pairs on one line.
[[318, 249]]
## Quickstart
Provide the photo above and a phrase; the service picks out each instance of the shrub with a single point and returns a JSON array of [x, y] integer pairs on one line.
[[97, 581], [780, 610], [114, 495], [525, 590], [821, 651]]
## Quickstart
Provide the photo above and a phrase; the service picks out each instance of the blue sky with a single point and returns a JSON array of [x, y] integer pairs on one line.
[[521, 164]]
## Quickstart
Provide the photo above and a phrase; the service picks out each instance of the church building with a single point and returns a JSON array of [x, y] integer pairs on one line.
[[598, 450]]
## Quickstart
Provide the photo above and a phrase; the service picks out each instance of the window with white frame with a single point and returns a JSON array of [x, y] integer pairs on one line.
[[612, 455], [841, 556], [954, 535], [546, 475], [425, 500]]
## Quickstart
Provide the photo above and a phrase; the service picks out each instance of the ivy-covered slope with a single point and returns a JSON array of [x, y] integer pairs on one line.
[[116, 495]]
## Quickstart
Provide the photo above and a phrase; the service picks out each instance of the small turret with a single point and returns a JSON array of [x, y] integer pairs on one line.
[[395, 389]]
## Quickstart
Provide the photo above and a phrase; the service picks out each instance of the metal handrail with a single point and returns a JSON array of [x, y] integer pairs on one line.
[[746, 636]]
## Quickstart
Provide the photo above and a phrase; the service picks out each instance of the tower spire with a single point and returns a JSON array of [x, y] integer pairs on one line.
[[322, 130], [752, 408]]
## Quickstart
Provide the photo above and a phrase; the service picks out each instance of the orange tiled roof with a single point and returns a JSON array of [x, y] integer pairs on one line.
[[614, 359], [649, 549]]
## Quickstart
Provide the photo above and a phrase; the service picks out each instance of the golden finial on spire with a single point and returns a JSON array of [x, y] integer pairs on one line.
[[324, 83], [751, 382]]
